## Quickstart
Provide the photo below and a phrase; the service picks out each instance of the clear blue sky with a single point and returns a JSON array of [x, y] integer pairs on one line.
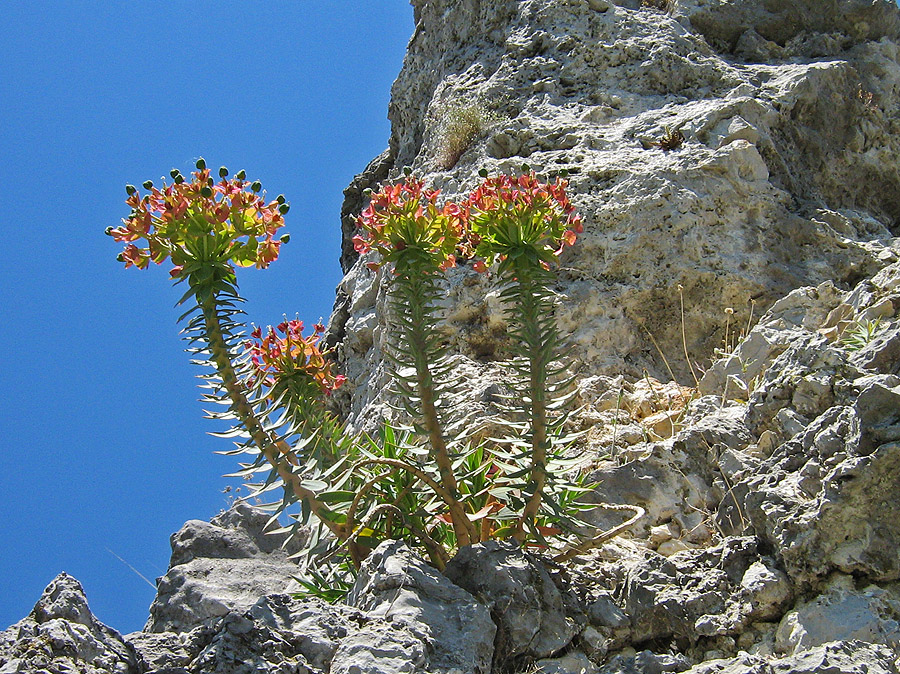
[[103, 443]]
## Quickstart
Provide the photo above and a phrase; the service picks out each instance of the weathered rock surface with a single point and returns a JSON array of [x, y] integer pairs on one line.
[[846, 657], [223, 565], [524, 602], [455, 631]]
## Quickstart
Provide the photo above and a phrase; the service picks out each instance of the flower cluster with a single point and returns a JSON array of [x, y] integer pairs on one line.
[[283, 353], [405, 217], [509, 214], [201, 220], [502, 215]]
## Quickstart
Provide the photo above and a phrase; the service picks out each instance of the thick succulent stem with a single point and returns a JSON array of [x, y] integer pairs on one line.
[[535, 338], [276, 452], [414, 293]]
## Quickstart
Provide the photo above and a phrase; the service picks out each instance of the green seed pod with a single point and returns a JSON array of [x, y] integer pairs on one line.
[[367, 193], [179, 179], [120, 257], [148, 184], [564, 173], [201, 164], [285, 238], [210, 182], [256, 186], [280, 199], [284, 208], [526, 168], [223, 172], [130, 189], [206, 191], [240, 175], [174, 173], [483, 172], [108, 231], [407, 171]]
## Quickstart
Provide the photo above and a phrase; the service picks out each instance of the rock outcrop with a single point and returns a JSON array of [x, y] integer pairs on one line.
[[787, 175], [62, 635]]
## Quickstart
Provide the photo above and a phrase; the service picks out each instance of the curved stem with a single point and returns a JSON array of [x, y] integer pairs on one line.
[[275, 451], [594, 542]]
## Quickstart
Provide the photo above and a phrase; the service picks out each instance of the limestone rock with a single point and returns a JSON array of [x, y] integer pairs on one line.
[[455, 631], [524, 602], [645, 662], [786, 177], [571, 663], [846, 657], [223, 565], [279, 634], [842, 613], [405, 617], [61, 635]]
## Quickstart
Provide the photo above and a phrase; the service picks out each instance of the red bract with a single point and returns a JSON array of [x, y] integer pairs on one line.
[[201, 222], [285, 354], [509, 214], [405, 219]]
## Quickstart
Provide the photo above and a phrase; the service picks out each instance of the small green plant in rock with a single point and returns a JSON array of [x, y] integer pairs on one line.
[[860, 333]]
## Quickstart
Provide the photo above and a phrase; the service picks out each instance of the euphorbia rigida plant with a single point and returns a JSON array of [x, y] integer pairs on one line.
[[522, 225], [406, 227]]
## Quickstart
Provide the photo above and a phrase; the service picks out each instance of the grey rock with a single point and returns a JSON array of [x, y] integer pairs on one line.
[[278, 635], [714, 592], [844, 657], [842, 613], [645, 662], [827, 424], [571, 663], [781, 22], [220, 566], [61, 635], [755, 203], [604, 612], [380, 650], [525, 603], [768, 589], [454, 630]]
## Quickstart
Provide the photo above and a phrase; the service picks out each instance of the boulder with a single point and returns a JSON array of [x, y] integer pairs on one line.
[[525, 604], [220, 566], [454, 630]]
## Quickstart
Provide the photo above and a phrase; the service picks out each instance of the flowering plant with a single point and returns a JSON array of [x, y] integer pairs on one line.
[[422, 485], [403, 220], [513, 216], [284, 355], [201, 221]]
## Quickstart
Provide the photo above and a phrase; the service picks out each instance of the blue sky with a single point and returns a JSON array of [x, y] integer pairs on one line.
[[104, 449]]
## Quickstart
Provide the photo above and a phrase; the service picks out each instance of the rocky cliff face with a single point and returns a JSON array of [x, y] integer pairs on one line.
[[787, 175], [771, 528]]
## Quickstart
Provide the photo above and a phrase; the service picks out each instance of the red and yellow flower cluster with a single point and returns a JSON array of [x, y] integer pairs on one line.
[[283, 351], [199, 221], [406, 217], [503, 214], [509, 214]]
